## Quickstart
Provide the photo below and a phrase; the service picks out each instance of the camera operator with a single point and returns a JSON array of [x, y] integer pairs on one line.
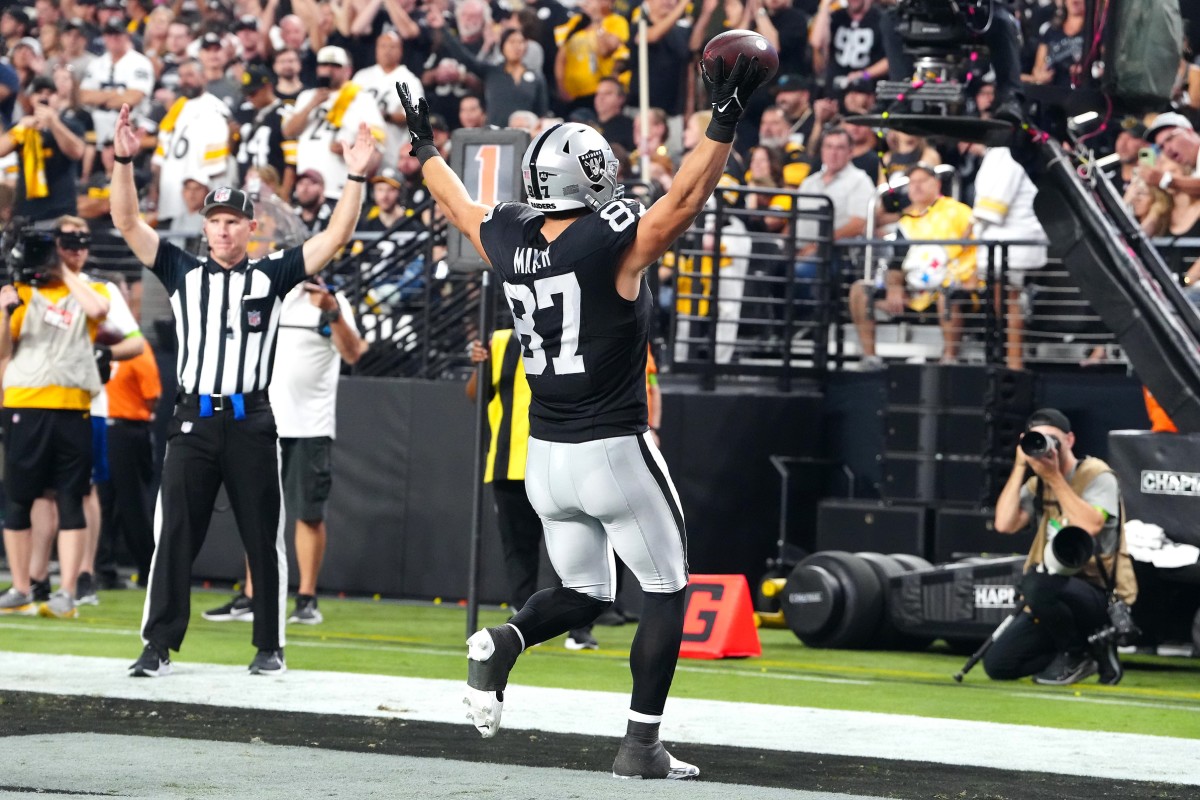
[[49, 146], [1049, 639], [48, 390]]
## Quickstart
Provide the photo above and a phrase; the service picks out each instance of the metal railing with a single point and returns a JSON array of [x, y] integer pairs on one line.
[[763, 309]]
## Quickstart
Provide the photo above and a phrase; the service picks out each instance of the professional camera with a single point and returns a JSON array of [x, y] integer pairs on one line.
[[1121, 630], [1038, 445], [927, 93], [30, 254]]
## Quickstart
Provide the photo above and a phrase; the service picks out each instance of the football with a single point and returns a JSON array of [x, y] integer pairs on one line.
[[728, 45]]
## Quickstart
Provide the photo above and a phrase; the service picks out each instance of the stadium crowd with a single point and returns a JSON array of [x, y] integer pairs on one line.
[[265, 96]]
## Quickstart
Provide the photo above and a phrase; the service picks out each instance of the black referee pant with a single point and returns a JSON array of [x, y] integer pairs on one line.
[[127, 511], [201, 454]]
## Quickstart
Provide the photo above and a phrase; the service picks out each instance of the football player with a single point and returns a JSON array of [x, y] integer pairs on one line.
[[572, 261]]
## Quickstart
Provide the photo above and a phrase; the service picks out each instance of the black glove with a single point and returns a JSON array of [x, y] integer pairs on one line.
[[728, 90], [418, 124], [103, 356]]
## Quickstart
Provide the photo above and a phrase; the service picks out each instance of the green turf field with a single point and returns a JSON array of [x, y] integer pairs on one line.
[[1158, 695]]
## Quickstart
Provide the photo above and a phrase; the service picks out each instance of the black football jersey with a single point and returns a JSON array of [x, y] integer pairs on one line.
[[584, 346]]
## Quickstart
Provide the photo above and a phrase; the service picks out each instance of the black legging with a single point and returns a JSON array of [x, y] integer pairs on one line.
[[1062, 613]]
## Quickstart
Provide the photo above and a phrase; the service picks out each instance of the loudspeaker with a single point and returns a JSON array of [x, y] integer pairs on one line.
[[868, 525], [962, 433], [960, 386], [967, 532], [968, 480]]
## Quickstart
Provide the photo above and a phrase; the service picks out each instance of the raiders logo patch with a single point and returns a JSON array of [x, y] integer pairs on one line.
[[592, 163]]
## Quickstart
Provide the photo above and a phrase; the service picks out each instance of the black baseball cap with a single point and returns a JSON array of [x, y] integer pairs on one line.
[[438, 123], [72, 24], [793, 83], [41, 83], [255, 77], [224, 198], [246, 22], [211, 39], [116, 25], [1049, 416]]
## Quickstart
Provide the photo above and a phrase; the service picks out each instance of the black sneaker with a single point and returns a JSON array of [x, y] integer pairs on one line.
[[268, 662], [240, 608], [85, 590], [153, 663], [642, 755], [40, 590], [581, 639], [610, 616], [1066, 669], [306, 612], [491, 654], [1108, 662]]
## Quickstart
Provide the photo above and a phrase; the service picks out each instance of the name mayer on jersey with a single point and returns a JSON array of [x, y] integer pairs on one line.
[[528, 260]]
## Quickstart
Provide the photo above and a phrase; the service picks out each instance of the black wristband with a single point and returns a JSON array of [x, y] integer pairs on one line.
[[123, 159], [426, 151], [357, 178], [720, 132], [331, 316]]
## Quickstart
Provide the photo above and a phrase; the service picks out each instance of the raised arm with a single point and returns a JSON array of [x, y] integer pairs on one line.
[[446, 187], [728, 89], [320, 249], [141, 238]]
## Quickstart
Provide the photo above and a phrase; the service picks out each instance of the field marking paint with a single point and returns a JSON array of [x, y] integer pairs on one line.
[[778, 676], [851, 733]]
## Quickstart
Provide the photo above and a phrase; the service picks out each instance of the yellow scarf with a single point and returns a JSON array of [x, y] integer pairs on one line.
[[168, 122], [345, 97], [33, 161]]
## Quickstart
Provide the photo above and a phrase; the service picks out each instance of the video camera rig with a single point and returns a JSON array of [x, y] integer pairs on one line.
[[29, 252]]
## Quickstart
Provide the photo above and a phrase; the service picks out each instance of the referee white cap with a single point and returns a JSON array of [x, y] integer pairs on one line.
[[224, 198]]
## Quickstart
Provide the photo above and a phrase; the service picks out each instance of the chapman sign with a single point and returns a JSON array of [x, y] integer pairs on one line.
[[1180, 484]]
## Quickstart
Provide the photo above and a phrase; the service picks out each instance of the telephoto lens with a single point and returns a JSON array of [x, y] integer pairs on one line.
[[1037, 445]]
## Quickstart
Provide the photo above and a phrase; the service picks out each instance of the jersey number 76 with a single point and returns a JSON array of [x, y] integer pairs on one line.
[[542, 296]]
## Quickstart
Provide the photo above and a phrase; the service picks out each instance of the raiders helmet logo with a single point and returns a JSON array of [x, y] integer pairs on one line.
[[592, 163], [222, 194]]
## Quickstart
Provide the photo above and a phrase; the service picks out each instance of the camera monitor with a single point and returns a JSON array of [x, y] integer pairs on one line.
[[489, 163]]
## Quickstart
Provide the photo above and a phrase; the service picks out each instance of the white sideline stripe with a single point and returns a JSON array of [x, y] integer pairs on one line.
[[850, 733], [745, 673]]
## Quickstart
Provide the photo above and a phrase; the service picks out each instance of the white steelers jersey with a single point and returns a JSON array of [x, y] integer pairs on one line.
[[133, 71], [382, 88], [196, 147], [324, 128]]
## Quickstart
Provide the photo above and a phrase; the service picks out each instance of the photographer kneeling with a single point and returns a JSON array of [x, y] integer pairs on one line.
[[1049, 639], [50, 318]]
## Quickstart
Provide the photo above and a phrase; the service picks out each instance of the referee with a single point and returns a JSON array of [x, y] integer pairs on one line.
[[226, 317]]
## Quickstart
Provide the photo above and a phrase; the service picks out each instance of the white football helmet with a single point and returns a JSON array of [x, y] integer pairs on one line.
[[569, 166]]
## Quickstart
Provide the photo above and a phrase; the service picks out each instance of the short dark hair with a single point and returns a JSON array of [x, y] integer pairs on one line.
[[610, 79], [837, 130]]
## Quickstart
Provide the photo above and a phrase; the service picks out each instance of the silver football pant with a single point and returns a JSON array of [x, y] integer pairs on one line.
[[605, 495]]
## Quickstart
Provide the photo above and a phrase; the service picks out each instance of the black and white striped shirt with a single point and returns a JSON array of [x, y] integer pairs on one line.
[[226, 319]]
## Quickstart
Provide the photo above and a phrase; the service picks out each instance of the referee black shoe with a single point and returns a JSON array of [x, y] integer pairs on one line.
[[240, 608], [491, 654], [268, 662], [153, 663]]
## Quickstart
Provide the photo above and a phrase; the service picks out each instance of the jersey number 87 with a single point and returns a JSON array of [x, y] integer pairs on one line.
[[541, 296]]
